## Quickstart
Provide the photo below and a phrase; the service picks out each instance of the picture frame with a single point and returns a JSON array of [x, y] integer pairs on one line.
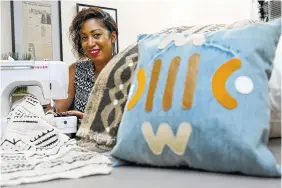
[[111, 11], [36, 29]]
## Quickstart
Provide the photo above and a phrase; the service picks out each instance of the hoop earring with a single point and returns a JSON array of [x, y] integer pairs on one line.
[[82, 51]]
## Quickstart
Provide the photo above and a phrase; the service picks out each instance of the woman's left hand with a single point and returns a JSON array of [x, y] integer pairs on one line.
[[75, 113]]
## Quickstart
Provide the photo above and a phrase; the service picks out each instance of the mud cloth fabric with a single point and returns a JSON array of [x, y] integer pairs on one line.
[[106, 102], [33, 149]]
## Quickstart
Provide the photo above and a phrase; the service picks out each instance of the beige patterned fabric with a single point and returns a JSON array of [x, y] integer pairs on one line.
[[107, 100]]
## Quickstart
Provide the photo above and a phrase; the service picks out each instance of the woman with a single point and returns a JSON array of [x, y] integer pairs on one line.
[[93, 33]]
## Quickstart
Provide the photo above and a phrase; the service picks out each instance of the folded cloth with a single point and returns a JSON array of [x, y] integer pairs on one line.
[[105, 106], [34, 150]]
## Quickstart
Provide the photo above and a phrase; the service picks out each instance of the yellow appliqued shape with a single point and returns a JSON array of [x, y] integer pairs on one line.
[[141, 79], [170, 82], [191, 81], [218, 83], [153, 84]]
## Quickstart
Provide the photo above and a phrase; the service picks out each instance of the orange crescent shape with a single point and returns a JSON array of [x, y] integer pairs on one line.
[[218, 83], [141, 79]]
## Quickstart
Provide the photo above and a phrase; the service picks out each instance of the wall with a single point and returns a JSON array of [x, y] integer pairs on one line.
[[6, 35], [144, 16]]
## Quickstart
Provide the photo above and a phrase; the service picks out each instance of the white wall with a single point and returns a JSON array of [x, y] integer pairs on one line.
[[145, 16], [6, 35]]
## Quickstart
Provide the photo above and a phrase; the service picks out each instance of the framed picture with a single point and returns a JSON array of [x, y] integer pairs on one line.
[[37, 29], [111, 11]]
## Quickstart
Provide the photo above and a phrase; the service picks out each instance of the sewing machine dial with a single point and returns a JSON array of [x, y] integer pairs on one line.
[[66, 124]]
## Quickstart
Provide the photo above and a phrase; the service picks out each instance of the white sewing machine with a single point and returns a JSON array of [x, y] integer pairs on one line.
[[51, 76]]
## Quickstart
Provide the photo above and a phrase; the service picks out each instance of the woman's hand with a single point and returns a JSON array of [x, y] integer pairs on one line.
[[74, 113]]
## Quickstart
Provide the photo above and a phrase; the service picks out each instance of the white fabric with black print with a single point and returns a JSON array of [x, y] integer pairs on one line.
[[33, 150]]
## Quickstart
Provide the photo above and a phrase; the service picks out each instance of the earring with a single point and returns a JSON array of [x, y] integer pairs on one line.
[[114, 51]]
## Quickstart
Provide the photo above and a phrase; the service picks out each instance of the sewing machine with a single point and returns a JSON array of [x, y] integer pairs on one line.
[[50, 76]]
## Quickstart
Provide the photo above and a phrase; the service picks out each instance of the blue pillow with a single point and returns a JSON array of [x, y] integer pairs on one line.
[[201, 101]]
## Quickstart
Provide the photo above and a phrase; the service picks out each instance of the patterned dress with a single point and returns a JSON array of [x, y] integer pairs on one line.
[[83, 83]]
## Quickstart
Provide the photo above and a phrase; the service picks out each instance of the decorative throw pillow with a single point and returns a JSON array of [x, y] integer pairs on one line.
[[106, 103], [201, 100]]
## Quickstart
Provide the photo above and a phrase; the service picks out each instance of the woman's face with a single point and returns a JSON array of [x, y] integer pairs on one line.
[[97, 42]]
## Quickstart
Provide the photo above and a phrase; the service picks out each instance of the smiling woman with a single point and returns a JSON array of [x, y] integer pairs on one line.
[[93, 33]]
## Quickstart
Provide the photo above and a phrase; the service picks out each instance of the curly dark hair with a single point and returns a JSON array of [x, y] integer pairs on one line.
[[80, 18]]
